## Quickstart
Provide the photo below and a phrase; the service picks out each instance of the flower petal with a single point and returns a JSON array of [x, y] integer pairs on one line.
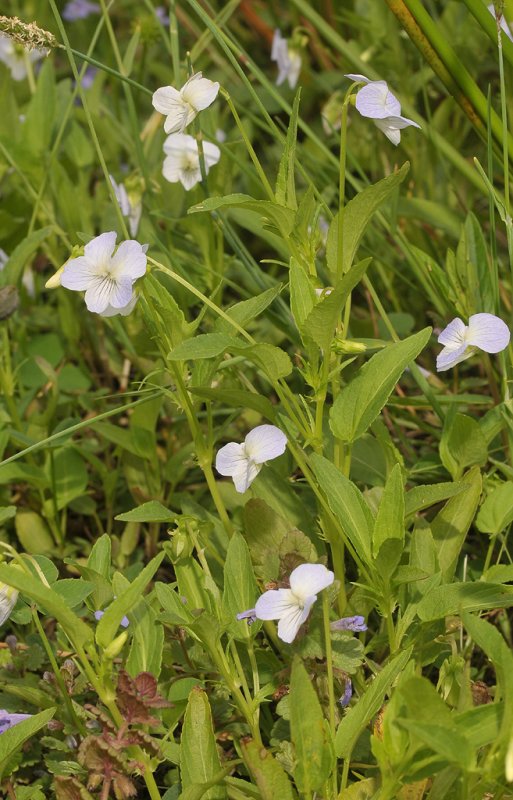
[[291, 622], [245, 474], [211, 154], [354, 76], [99, 293], [392, 134], [110, 311], [275, 603], [265, 442], [377, 101], [77, 274], [454, 334], [450, 356], [199, 92], [308, 579], [128, 262], [99, 249], [488, 332], [121, 294], [398, 122], [167, 100], [356, 624]]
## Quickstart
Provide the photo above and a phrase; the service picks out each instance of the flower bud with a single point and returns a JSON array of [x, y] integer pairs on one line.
[[115, 647], [344, 346]]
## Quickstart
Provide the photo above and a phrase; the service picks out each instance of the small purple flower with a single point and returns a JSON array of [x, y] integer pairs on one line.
[[348, 693], [124, 622], [355, 624], [79, 9], [88, 77], [249, 615], [7, 720], [162, 16]]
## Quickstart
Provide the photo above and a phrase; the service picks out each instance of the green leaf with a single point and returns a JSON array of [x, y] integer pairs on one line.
[[67, 474], [205, 345], [360, 402], [237, 398], [355, 218], [147, 642], [108, 625], [496, 513], [152, 511], [453, 598], [41, 113], [462, 444], [347, 504], [199, 759], [100, 556], [421, 497], [247, 310], [309, 731], [6, 513], [240, 589], [285, 192], [73, 590], [359, 715], [13, 739], [75, 628], [451, 524], [323, 319], [272, 360], [302, 295], [20, 256], [33, 533], [389, 523], [270, 777], [445, 741], [282, 218]]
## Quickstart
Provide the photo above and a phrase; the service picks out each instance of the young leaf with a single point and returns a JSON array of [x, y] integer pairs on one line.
[[462, 444], [360, 402], [199, 759], [100, 556], [285, 192], [389, 522], [309, 731], [240, 589]]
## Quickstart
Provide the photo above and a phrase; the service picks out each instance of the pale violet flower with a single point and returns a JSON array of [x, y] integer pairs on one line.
[[8, 598], [125, 622], [348, 693], [288, 60], [243, 462], [292, 606], [15, 57], [162, 15], [484, 331], [504, 25], [180, 107], [106, 277], [130, 210], [376, 101], [182, 161], [4, 258], [79, 9], [354, 624], [7, 720]]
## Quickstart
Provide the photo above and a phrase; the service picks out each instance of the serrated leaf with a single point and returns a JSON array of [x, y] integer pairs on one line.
[[360, 402]]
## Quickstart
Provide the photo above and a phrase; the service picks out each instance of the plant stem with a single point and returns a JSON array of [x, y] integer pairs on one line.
[[329, 674]]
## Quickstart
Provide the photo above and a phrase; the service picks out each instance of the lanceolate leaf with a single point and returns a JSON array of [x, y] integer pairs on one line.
[[199, 759], [12, 739]]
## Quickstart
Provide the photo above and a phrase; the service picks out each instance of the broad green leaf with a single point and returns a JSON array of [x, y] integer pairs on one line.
[[199, 759], [480, 725], [73, 590], [21, 256], [389, 523], [451, 524], [240, 589], [176, 610], [108, 625], [302, 294], [324, 317], [462, 444], [67, 475], [33, 533], [270, 777], [453, 598], [100, 556], [309, 732], [152, 511], [360, 402], [347, 504], [237, 398], [496, 513], [445, 741], [40, 116], [355, 218], [421, 497], [205, 345], [272, 360], [14, 738], [359, 715], [281, 217], [76, 630], [285, 192], [147, 643], [6, 513], [247, 310]]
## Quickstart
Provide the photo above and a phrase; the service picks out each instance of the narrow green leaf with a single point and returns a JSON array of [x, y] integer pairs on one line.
[[389, 522], [199, 759], [455, 597], [152, 511], [358, 716], [12, 739], [360, 402], [240, 589], [270, 777], [247, 310], [451, 524], [100, 556], [237, 398], [309, 732], [421, 497], [281, 217], [302, 295], [285, 192]]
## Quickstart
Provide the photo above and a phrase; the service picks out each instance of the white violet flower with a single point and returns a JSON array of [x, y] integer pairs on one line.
[[376, 101], [484, 331], [8, 598], [292, 606], [106, 277], [130, 210], [288, 60], [180, 107], [15, 57], [182, 161], [504, 25], [243, 462]]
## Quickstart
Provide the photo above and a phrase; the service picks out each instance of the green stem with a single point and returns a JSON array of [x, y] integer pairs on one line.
[[261, 174], [98, 64], [329, 674]]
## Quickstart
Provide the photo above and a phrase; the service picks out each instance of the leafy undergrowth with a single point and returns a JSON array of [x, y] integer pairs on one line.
[[254, 517]]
